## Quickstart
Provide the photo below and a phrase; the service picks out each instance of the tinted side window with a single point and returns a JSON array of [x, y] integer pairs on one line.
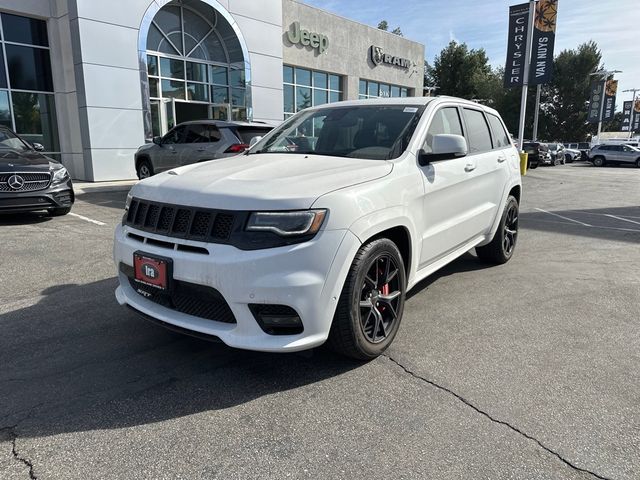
[[175, 136], [202, 133], [478, 134], [446, 120], [500, 135]]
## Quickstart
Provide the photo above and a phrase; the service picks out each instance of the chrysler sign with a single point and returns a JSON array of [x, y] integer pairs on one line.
[[378, 56]]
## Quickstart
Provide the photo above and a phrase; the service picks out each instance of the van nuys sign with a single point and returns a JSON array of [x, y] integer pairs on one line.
[[317, 41]]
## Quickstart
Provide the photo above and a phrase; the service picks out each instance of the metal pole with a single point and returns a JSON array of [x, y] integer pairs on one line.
[[527, 64], [604, 94], [536, 116]]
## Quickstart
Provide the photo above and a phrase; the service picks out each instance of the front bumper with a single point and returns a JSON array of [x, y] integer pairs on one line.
[[307, 277], [56, 196]]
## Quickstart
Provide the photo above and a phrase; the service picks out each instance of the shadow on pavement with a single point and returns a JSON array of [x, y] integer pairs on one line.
[[77, 361], [25, 218], [596, 223], [104, 199]]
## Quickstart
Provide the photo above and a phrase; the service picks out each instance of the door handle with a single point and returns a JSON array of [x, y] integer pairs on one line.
[[201, 149], [469, 167], [501, 158]]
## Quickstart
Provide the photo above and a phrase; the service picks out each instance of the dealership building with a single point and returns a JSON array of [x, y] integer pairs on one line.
[[92, 80]]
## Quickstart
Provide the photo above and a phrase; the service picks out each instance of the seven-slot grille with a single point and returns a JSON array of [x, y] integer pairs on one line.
[[32, 181], [180, 221]]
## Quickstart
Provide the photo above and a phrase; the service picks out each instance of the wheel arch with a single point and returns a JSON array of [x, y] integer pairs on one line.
[[142, 157]]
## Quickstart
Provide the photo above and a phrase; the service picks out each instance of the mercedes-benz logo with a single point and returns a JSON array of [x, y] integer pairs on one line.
[[16, 182]]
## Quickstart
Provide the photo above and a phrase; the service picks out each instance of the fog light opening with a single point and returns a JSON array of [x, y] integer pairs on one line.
[[277, 319]]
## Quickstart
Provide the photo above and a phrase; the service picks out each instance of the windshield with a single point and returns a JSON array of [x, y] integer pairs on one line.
[[9, 140], [376, 132], [553, 146]]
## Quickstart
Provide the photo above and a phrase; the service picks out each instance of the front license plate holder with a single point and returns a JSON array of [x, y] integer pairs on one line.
[[153, 271]]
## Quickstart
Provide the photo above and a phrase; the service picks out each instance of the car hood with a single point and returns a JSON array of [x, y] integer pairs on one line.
[[21, 161], [260, 181]]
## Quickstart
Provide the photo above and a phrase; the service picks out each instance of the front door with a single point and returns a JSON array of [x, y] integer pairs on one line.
[[173, 150], [449, 199]]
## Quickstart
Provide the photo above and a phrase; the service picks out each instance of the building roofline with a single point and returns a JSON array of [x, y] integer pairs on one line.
[[356, 22]]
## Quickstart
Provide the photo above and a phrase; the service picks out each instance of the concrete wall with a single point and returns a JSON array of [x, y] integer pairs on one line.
[[348, 53]]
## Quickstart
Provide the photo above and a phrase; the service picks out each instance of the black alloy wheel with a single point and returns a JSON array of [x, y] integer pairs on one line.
[[510, 229], [503, 244], [380, 296], [369, 311]]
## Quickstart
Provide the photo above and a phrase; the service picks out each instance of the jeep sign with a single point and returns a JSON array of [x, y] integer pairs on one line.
[[378, 56], [306, 38]]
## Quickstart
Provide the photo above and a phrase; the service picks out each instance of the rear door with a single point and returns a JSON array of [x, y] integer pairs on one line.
[[203, 140], [489, 144]]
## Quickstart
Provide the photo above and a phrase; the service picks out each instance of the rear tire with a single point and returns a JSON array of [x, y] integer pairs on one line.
[[370, 307], [145, 169], [638, 163], [59, 212], [501, 248], [598, 161]]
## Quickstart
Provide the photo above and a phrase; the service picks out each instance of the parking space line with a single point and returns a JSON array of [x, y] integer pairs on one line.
[[621, 218], [87, 219], [564, 218]]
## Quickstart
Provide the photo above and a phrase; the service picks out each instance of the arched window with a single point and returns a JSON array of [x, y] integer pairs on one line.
[[195, 67]]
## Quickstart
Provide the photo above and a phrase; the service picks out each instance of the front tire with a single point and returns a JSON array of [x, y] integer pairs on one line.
[[501, 248], [638, 163], [370, 307], [145, 169], [598, 161]]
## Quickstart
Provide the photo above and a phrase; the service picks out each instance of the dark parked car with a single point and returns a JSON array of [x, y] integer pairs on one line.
[[601, 155], [197, 141], [556, 150], [30, 181], [538, 154]]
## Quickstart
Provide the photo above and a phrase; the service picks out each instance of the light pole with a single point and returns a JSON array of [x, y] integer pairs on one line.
[[633, 104], [604, 75]]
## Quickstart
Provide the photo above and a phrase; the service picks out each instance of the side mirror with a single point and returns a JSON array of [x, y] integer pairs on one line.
[[254, 140], [157, 140], [38, 147], [445, 147]]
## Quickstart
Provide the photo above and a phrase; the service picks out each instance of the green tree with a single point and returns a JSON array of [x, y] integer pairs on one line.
[[565, 100], [384, 25]]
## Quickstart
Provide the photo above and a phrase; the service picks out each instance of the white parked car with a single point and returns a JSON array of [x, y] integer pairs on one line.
[[319, 231]]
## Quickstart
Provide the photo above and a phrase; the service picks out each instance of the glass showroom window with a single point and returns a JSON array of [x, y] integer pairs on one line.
[[307, 88], [194, 56], [369, 89], [27, 103]]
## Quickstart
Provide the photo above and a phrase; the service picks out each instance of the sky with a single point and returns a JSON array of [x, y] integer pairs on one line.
[[613, 24]]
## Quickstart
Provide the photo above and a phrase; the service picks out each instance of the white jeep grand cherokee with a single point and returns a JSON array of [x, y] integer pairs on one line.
[[322, 228]]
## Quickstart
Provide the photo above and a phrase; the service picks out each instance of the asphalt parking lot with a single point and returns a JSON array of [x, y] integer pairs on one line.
[[530, 370]]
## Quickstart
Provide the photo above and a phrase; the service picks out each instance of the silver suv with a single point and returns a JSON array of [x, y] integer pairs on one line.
[[600, 155], [197, 141]]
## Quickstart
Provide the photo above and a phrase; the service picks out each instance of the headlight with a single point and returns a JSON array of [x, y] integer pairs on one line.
[[60, 175], [287, 224]]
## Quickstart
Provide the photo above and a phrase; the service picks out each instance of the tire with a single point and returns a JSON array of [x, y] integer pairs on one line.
[[145, 169], [370, 307], [533, 166], [638, 163], [598, 161], [568, 158], [501, 248], [59, 212]]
